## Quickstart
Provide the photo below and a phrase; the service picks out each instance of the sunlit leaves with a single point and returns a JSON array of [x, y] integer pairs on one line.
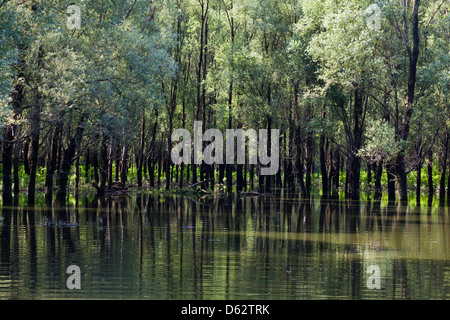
[[380, 145], [107, 70], [346, 49]]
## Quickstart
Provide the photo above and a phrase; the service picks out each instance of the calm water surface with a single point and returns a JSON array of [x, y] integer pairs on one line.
[[144, 246]]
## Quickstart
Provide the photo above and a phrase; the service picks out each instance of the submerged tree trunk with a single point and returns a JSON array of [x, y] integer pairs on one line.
[[124, 163], [16, 167], [103, 166], [110, 163], [391, 184], [26, 163], [94, 158], [337, 171], [356, 140], [140, 155], [239, 178], [34, 152], [448, 186], [430, 175], [152, 150], [443, 171], [289, 162], [309, 162], [229, 166], [10, 150], [77, 171], [413, 55], [67, 162], [323, 165], [167, 156], [378, 171], [401, 177], [87, 163], [299, 162], [418, 183], [299, 165], [51, 163], [7, 150], [268, 179]]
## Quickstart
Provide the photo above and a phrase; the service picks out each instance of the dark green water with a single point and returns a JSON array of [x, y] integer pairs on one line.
[[153, 247]]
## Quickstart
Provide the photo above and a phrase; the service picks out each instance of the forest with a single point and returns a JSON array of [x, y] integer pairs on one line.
[[89, 98]]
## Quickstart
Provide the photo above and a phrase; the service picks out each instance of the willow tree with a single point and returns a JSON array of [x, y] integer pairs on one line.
[[94, 81], [9, 107], [345, 50], [26, 50], [411, 21]]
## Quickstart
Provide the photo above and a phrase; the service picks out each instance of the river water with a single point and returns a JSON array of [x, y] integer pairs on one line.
[[144, 246]]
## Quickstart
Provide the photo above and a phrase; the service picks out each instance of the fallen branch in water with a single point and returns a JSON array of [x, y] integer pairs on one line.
[[196, 201], [255, 194], [196, 184]]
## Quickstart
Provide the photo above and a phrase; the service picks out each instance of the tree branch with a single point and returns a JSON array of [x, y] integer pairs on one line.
[[432, 18]]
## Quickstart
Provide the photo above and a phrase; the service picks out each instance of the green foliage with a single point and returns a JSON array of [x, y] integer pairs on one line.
[[379, 146], [295, 63]]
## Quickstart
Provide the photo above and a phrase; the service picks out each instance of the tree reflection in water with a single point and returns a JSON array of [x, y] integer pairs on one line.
[[145, 246]]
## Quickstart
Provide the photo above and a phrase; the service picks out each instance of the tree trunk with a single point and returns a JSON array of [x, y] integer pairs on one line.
[[67, 162], [7, 150], [168, 156], [378, 172], [355, 170], [309, 161], [448, 186], [239, 178], [413, 54], [16, 167], [289, 167], [323, 165], [338, 167], [140, 156], [103, 166], [278, 180], [418, 183], [391, 184], [269, 152], [51, 163], [300, 164], [298, 142], [110, 163], [77, 172], [151, 173], [124, 163], [200, 78], [369, 174], [94, 158], [430, 176], [151, 156], [401, 177], [14, 130], [203, 166], [229, 166], [159, 167], [87, 163], [356, 139], [26, 162], [260, 180], [443, 172], [221, 173], [347, 179], [34, 152], [184, 126]]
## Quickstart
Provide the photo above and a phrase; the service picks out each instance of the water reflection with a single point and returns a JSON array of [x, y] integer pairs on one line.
[[144, 246]]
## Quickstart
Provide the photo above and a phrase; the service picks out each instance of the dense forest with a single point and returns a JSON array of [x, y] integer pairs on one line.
[[91, 98]]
